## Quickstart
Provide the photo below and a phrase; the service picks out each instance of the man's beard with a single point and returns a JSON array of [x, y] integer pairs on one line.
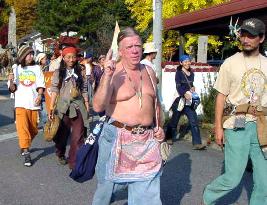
[[250, 51]]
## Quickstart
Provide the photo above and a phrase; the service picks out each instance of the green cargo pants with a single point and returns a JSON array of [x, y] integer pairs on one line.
[[239, 145]]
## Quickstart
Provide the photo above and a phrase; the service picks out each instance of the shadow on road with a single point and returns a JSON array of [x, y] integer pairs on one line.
[[45, 151], [4, 120], [4, 92], [234, 195], [175, 180]]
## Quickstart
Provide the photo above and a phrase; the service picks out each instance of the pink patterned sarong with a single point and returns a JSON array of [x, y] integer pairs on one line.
[[134, 157]]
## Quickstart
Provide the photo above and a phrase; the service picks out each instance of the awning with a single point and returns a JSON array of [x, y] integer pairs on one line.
[[215, 20]]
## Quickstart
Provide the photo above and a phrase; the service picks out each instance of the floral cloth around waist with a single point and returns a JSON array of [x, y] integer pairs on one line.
[[134, 157]]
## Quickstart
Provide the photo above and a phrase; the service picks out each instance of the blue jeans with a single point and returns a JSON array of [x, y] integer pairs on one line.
[[193, 121], [42, 114], [90, 90], [239, 145], [139, 193]]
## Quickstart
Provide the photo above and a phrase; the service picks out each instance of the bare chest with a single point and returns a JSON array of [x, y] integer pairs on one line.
[[135, 87]]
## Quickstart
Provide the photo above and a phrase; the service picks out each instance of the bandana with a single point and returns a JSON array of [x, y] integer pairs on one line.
[[184, 58], [69, 50]]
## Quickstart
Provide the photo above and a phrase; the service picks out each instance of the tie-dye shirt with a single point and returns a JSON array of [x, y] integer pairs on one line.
[[27, 79]]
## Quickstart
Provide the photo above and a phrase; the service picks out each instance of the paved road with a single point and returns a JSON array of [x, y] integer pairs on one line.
[[46, 182], [6, 110]]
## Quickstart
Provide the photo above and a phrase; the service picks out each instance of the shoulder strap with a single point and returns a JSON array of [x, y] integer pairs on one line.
[[156, 100], [187, 79]]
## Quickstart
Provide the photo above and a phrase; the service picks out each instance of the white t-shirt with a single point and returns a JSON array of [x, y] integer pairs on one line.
[[55, 64], [27, 79], [241, 77], [149, 63], [88, 69]]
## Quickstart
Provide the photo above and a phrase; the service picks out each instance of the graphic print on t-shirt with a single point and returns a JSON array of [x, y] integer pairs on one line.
[[253, 84], [27, 78]]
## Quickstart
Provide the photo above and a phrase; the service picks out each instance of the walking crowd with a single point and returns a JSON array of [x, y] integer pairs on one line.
[[125, 91]]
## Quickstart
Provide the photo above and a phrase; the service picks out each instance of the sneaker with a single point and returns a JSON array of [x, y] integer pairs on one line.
[[23, 152], [28, 160], [62, 160], [199, 147]]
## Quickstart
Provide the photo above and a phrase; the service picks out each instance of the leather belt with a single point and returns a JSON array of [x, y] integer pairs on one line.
[[137, 129], [231, 109]]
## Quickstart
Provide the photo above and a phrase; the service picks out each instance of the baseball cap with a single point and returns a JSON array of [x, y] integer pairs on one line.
[[254, 26], [88, 55]]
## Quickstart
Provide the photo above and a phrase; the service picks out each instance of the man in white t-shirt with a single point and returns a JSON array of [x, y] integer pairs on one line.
[[150, 52], [240, 116], [27, 82]]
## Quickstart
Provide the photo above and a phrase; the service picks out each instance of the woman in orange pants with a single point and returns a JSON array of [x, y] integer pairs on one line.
[[27, 82]]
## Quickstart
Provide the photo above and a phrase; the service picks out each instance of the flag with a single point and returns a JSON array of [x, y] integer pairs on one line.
[[114, 45]]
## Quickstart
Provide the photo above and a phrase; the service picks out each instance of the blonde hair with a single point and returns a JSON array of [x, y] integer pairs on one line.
[[127, 32]]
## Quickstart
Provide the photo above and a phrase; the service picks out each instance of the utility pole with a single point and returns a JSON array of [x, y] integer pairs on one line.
[[157, 36], [12, 42]]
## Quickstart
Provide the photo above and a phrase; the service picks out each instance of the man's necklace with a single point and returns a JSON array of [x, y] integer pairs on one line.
[[138, 92]]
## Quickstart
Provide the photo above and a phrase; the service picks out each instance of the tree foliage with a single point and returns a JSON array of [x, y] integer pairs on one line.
[[55, 17], [170, 8], [4, 12], [25, 15], [92, 19]]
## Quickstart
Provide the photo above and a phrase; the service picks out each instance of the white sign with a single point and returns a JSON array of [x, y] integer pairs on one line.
[[202, 49]]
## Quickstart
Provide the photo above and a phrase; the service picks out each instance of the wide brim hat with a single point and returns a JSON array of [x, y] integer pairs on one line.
[[23, 52], [150, 48]]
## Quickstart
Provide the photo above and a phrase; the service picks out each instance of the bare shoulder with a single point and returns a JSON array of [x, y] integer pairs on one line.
[[150, 72]]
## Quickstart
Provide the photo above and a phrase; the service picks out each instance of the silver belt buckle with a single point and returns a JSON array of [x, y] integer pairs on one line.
[[138, 130]]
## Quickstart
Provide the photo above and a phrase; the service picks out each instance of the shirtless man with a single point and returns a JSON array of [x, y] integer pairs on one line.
[[129, 151]]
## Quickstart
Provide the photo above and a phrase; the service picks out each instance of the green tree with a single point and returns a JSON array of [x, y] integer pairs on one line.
[[55, 17], [4, 12], [25, 15], [92, 19]]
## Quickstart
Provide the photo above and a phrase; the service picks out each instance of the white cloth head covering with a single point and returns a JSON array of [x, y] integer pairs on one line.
[[39, 57]]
